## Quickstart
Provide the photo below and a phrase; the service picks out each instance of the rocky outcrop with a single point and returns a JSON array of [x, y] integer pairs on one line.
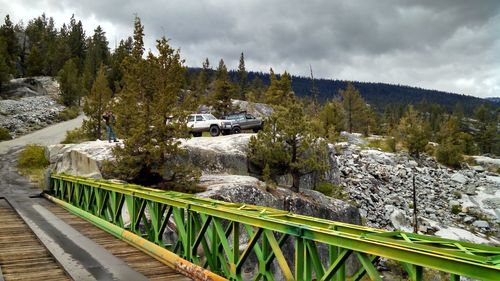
[[83, 159], [259, 110], [28, 104], [381, 185]]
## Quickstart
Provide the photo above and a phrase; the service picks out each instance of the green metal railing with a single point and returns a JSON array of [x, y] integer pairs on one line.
[[225, 237]]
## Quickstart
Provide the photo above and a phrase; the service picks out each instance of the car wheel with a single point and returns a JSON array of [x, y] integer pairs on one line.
[[196, 134], [256, 130], [236, 130], [214, 131]]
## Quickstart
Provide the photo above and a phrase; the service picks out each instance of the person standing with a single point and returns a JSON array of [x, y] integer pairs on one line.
[[110, 120]]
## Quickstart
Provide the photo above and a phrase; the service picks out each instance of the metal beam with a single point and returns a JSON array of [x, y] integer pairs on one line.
[[455, 257]]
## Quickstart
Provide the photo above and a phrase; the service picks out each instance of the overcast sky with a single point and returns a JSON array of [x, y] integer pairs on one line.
[[449, 45]]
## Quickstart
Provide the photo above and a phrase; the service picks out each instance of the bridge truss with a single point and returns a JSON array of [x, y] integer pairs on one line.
[[242, 242]]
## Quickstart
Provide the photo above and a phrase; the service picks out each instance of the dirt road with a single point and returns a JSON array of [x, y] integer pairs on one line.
[[48, 135]]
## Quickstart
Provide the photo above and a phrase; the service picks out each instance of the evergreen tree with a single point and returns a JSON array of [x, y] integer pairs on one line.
[[280, 90], [76, 41], [453, 143], [70, 83], [12, 47], [223, 92], [96, 55], [242, 78], [288, 144], [123, 50], [4, 68], [487, 138], [332, 117], [96, 103], [354, 107], [413, 132], [150, 93], [34, 62], [202, 82]]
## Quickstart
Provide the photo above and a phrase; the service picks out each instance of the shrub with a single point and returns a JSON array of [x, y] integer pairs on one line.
[[387, 145], [455, 209], [75, 136], [332, 190], [449, 155], [68, 113], [4, 134], [32, 157]]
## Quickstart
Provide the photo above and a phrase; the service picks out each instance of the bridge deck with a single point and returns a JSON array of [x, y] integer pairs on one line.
[[148, 266], [22, 255]]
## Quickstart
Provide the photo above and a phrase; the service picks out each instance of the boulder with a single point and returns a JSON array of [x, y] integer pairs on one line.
[[481, 224], [83, 159], [222, 154], [458, 177]]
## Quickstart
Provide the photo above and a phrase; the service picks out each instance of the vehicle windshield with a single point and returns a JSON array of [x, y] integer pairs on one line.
[[209, 117]]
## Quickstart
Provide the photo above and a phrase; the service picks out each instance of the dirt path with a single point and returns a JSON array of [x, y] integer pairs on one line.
[[48, 135]]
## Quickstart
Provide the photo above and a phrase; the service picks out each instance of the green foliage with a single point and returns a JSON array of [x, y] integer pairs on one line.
[[449, 155], [31, 162], [242, 78], [4, 67], [11, 49], [96, 103], [77, 135], [453, 143], [71, 84], [287, 144], [388, 144], [32, 157], [152, 91], [280, 90], [96, 56], [333, 118], [223, 92], [355, 109], [413, 132], [69, 113], [332, 190], [455, 209], [4, 134]]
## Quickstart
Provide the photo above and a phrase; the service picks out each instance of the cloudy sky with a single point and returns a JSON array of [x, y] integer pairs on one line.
[[449, 45]]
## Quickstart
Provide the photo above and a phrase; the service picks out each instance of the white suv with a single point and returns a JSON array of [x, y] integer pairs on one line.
[[199, 123]]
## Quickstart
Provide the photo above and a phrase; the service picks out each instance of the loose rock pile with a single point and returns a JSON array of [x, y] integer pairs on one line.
[[381, 185], [29, 104]]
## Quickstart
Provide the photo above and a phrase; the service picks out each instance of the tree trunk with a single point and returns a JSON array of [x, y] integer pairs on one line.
[[296, 181]]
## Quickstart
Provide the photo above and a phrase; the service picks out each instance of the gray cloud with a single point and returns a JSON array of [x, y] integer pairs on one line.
[[450, 45]]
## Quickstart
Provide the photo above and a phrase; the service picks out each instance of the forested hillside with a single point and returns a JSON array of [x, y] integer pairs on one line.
[[379, 95]]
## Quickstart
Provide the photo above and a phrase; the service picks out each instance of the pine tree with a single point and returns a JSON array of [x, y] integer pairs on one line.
[[280, 90], [96, 103], [223, 92], [34, 62], [70, 83], [76, 41], [242, 78], [96, 55], [13, 49], [453, 143], [287, 144], [151, 92], [413, 132], [4, 68], [332, 117], [123, 50], [202, 82], [354, 107]]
